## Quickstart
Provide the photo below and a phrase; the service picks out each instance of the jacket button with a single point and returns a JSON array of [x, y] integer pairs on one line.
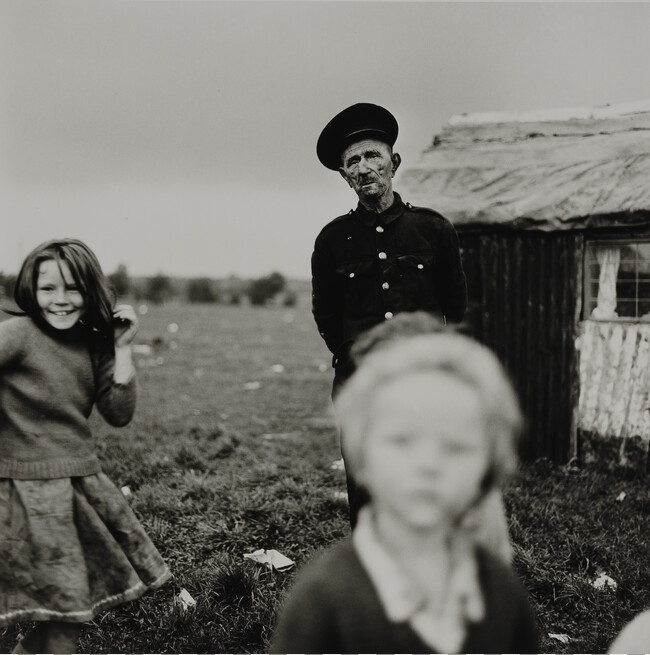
[[382, 255], [420, 265], [379, 228], [388, 315], [385, 286], [351, 274]]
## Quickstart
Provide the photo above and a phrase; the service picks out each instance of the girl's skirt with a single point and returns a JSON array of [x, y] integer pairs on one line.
[[69, 549]]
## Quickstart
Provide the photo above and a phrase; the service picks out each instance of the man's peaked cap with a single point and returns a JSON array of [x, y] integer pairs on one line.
[[361, 121]]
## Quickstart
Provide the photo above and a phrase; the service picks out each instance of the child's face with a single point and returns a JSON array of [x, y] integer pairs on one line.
[[58, 298], [426, 451]]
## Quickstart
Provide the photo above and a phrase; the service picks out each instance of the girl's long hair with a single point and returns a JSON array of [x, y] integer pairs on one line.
[[89, 278]]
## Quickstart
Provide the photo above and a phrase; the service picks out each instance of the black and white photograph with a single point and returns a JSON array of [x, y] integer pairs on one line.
[[324, 326]]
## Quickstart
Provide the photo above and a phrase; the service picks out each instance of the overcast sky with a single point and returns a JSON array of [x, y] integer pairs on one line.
[[179, 136]]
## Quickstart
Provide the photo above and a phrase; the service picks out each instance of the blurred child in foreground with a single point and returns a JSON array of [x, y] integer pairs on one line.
[[487, 518], [430, 424]]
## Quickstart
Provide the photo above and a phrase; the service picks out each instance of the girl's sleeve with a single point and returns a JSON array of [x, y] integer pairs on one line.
[[115, 402]]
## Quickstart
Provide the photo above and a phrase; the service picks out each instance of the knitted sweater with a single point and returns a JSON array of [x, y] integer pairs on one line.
[[48, 386], [334, 608]]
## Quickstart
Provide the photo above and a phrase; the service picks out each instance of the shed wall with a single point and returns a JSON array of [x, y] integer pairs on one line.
[[614, 406], [524, 302]]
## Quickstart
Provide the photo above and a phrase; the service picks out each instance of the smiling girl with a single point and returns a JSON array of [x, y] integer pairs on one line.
[[70, 546]]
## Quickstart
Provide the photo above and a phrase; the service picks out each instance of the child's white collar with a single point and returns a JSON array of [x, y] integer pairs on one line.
[[444, 630]]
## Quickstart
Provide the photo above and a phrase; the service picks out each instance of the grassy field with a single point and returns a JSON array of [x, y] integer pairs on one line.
[[231, 450]]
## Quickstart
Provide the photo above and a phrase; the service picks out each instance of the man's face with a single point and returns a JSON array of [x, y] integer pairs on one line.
[[368, 167]]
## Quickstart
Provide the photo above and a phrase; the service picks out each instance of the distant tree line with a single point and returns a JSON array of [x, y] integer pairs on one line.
[[159, 288], [233, 290]]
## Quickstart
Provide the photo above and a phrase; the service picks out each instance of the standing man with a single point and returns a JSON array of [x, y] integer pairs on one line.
[[383, 257]]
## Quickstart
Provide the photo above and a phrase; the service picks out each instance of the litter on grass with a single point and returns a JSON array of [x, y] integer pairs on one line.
[[270, 436], [603, 581], [565, 639], [185, 600], [126, 491], [252, 386], [271, 558], [340, 496], [621, 497], [338, 465], [277, 368]]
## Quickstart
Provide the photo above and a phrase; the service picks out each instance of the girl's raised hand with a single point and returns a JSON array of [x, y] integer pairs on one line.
[[126, 325]]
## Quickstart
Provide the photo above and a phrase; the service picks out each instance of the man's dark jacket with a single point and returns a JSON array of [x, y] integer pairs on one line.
[[367, 267]]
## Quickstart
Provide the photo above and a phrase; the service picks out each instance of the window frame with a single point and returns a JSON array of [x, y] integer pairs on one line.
[[589, 299]]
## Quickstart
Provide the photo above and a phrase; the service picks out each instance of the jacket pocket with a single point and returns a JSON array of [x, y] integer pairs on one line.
[[356, 278], [416, 273]]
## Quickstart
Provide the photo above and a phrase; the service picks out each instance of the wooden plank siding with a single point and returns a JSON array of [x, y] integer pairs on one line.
[[524, 300], [614, 403]]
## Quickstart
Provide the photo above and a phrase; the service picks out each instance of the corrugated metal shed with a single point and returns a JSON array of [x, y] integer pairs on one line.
[[525, 193], [529, 324]]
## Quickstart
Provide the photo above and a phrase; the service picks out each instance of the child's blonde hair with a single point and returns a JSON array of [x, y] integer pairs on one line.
[[445, 352]]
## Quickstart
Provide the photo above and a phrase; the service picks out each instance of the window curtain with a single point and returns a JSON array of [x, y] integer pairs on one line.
[[609, 260]]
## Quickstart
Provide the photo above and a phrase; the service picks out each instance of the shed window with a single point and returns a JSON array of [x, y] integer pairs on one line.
[[617, 280]]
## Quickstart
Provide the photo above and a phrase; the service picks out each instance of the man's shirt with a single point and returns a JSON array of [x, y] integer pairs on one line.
[[367, 267]]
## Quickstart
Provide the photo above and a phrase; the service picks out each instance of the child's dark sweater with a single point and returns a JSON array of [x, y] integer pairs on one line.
[[48, 386], [333, 608]]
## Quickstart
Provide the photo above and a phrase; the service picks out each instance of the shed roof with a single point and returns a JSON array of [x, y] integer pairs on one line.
[[549, 170]]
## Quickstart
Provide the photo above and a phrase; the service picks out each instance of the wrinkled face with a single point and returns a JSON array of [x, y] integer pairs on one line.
[[425, 453], [368, 167], [58, 298]]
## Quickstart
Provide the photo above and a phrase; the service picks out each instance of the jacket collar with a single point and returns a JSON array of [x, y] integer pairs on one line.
[[391, 214]]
